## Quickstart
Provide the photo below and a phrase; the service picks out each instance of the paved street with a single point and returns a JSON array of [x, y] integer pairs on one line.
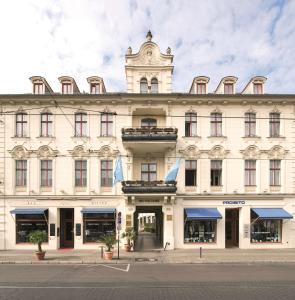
[[148, 281]]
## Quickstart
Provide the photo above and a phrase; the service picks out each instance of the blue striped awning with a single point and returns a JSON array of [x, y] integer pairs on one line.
[[28, 211], [272, 213], [94, 210], [202, 213]]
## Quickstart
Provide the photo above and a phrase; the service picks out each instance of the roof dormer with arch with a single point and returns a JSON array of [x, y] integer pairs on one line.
[[228, 80]]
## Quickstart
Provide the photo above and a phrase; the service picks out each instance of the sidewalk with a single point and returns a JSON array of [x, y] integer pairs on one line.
[[156, 256]]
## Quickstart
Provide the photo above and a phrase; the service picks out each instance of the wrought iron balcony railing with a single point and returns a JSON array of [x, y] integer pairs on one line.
[[139, 186], [149, 134]]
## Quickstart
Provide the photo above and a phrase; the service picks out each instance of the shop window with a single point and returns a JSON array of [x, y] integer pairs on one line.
[[97, 225], [265, 231], [46, 173], [201, 88], [143, 86], [21, 173], [28, 223], [200, 231], [21, 125], [106, 125], [148, 122], [216, 172], [216, 124], [190, 173], [250, 124], [275, 172], [250, 172], [228, 88], [80, 124], [190, 124], [154, 85], [80, 173], [149, 171], [46, 124], [274, 124], [106, 173]]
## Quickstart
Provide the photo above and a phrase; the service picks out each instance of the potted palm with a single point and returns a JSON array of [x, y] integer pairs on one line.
[[109, 240], [130, 236], [38, 237]]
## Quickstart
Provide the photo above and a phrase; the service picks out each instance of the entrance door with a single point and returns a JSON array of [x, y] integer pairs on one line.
[[67, 228], [232, 227]]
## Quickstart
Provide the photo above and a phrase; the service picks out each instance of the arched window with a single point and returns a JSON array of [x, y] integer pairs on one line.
[[143, 86], [154, 85], [148, 122]]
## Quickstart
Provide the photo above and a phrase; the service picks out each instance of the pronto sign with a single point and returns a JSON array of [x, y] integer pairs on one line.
[[234, 202]]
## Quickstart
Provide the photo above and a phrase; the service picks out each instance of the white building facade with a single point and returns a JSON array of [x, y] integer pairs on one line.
[[235, 186]]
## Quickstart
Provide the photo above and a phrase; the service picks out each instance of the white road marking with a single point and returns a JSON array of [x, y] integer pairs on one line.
[[116, 268]]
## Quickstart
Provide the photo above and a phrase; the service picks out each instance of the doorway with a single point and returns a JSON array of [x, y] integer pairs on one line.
[[232, 227], [66, 228], [148, 223]]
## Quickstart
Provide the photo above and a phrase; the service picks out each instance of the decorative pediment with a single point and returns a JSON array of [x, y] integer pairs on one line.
[[106, 151], [277, 152], [79, 151], [19, 152], [190, 152], [45, 152], [251, 152], [218, 152]]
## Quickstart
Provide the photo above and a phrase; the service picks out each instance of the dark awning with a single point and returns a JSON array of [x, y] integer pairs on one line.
[[93, 210], [28, 211], [272, 213], [202, 213]]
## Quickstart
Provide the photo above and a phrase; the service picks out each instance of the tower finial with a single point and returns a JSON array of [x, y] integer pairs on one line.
[[149, 36]]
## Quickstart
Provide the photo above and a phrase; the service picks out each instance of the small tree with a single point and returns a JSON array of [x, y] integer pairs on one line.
[[130, 235], [109, 240], [38, 237]]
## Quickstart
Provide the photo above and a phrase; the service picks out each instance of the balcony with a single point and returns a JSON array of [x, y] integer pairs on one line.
[[149, 139], [148, 187]]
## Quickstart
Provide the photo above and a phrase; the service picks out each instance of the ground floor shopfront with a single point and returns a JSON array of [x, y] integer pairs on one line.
[[180, 222]]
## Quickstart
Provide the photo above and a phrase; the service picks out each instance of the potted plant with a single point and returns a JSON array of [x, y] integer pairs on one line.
[[109, 240], [130, 235], [38, 237]]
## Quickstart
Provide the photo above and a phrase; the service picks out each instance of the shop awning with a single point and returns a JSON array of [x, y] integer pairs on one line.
[[202, 213], [272, 213], [28, 211], [93, 210]]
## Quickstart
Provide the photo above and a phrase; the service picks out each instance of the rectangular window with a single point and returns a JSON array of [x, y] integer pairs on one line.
[[25, 224], [38, 88], [97, 225], [106, 173], [46, 124], [149, 171], [106, 125], [228, 88], [46, 173], [67, 88], [257, 88], [21, 173], [274, 124], [250, 124], [216, 124], [216, 172], [21, 125], [190, 124], [275, 172], [200, 231], [250, 172], [94, 88], [80, 173], [190, 173], [201, 88], [80, 124]]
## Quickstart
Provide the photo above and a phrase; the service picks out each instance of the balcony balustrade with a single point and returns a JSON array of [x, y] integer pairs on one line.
[[147, 187], [149, 134]]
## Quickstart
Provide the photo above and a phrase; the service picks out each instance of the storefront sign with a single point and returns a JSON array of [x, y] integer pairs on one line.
[[169, 218], [52, 229], [246, 231], [234, 202], [78, 229]]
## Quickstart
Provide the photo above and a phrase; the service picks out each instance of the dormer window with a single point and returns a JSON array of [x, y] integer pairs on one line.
[[201, 88], [38, 88], [257, 88], [66, 88], [154, 85], [143, 86], [94, 88], [228, 88]]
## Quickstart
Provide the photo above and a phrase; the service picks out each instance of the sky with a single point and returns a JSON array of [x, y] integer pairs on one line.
[[82, 38]]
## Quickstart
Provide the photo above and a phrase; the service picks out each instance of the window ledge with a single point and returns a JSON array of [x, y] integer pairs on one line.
[[106, 137], [80, 189], [45, 137], [20, 137], [276, 137], [44, 189], [275, 188], [250, 188], [217, 137], [254, 137], [106, 189], [21, 189], [192, 137], [81, 137]]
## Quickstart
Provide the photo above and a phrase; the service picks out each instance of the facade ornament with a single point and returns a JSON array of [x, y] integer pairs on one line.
[[149, 36], [129, 51], [79, 152], [218, 152], [191, 152], [46, 152], [251, 152], [277, 152], [106, 151], [168, 51], [19, 152]]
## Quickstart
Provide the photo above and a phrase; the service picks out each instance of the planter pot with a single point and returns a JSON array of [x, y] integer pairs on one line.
[[108, 255], [40, 255], [127, 247]]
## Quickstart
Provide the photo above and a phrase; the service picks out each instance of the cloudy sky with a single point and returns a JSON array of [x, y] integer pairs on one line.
[[81, 38]]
